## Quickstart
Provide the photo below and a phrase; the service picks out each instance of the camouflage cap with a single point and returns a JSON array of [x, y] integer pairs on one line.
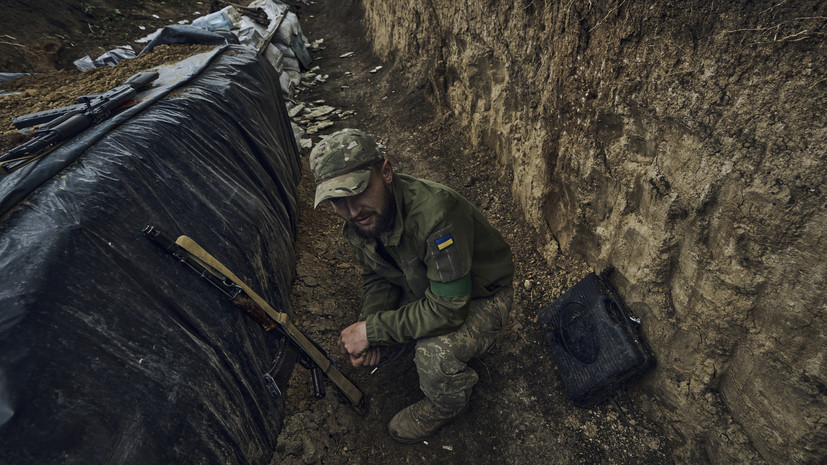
[[341, 164]]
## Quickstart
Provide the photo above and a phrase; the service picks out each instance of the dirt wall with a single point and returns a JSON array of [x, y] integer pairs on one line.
[[684, 144]]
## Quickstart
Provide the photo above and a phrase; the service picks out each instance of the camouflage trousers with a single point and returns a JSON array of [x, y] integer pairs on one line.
[[441, 361]]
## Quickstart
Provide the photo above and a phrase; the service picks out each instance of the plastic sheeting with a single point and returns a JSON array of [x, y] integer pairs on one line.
[[110, 58], [178, 34], [110, 350], [6, 77]]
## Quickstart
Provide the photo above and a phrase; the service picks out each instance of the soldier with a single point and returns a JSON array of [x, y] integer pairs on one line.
[[435, 274]]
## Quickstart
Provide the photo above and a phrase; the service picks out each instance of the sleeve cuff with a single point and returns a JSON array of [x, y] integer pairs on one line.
[[370, 329]]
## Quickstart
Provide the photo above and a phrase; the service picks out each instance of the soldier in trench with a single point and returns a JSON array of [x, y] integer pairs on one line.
[[436, 275]]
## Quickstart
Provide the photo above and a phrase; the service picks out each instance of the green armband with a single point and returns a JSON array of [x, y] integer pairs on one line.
[[456, 288]]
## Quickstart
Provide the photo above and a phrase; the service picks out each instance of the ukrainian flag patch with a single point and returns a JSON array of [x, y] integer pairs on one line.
[[444, 241]]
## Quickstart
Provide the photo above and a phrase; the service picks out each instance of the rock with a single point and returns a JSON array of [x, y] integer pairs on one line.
[[324, 125], [296, 110], [316, 44], [320, 112]]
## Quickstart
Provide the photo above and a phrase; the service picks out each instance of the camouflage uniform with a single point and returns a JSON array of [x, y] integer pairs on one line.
[[442, 257]]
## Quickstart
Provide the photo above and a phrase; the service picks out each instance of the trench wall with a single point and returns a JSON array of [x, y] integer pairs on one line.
[[684, 144]]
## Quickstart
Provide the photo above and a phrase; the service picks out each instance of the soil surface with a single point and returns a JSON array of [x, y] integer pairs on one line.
[[519, 412]]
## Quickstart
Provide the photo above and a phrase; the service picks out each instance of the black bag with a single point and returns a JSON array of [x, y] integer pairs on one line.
[[594, 341]]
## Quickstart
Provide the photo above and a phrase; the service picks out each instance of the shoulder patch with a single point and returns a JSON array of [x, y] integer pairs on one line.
[[450, 258], [444, 241]]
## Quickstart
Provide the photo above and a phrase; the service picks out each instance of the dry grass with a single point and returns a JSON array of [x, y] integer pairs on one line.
[[778, 31]]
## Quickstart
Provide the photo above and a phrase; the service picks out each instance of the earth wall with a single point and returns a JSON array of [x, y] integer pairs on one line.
[[684, 144]]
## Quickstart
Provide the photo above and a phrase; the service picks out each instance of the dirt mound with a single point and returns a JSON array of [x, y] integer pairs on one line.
[[42, 36]]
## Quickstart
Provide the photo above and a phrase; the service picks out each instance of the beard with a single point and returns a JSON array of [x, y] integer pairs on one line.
[[384, 220]]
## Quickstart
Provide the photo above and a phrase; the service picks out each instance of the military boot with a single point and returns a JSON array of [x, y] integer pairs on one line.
[[418, 421]]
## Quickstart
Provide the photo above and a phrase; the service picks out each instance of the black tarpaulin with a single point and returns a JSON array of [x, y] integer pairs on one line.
[[111, 351]]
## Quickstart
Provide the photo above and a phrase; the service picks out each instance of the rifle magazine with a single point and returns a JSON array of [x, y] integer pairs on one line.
[[277, 377]]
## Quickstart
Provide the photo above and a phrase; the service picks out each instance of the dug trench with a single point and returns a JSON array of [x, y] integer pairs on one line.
[[519, 411]]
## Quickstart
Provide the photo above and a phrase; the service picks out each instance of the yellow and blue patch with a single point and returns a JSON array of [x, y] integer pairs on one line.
[[444, 241]]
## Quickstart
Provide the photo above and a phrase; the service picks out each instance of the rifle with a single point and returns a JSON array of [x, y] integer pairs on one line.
[[60, 124], [311, 356]]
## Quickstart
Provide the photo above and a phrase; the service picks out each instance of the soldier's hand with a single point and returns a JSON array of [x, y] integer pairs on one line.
[[369, 358], [353, 340]]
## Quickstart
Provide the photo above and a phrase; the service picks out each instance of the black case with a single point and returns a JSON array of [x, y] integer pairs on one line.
[[595, 343]]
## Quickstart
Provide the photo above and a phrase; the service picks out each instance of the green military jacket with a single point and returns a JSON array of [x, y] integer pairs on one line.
[[441, 253]]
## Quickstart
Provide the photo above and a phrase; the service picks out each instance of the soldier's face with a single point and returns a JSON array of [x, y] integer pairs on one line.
[[373, 211]]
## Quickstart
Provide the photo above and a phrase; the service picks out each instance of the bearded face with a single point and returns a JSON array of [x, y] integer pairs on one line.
[[383, 219], [371, 212]]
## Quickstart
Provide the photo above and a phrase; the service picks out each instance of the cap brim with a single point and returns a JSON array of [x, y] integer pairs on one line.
[[346, 185]]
